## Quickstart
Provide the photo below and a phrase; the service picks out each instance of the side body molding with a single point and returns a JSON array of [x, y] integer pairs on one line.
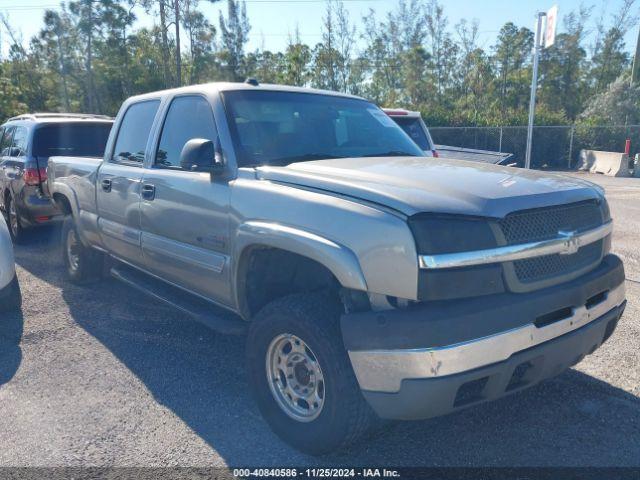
[[340, 260]]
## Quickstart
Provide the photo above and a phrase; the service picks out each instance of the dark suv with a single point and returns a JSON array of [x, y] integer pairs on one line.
[[26, 143]]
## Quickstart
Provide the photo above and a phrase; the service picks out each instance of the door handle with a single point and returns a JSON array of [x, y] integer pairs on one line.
[[106, 185], [148, 191]]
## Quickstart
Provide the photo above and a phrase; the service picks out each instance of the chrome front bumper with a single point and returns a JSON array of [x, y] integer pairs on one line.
[[384, 370]]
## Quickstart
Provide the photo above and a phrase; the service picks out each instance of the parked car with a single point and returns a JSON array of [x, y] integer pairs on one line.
[[413, 125], [26, 143], [372, 283], [10, 298]]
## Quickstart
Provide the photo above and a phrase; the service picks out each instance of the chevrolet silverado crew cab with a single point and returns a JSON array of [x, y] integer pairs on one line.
[[26, 143], [372, 281]]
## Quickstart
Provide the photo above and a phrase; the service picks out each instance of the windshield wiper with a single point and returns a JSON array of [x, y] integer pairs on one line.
[[391, 153]]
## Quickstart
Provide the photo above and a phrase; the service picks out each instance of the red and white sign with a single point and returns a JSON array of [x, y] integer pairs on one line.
[[550, 31]]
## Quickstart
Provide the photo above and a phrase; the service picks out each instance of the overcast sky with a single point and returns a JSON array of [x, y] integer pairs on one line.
[[273, 20]]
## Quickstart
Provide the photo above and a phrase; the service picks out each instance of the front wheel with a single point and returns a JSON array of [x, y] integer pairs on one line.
[[301, 375], [82, 264]]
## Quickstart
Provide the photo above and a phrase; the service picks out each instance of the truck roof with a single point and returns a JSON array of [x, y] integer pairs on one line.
[[59, 117], [229, 86]]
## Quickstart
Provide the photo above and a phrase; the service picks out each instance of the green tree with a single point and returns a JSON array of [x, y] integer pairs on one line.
[[511, 54], [563, 67], [234, 36], [332, 56], [618, 105], [297, 58], [201, 34]]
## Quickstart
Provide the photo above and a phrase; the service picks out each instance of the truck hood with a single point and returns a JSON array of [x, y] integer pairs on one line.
[[419, 184]]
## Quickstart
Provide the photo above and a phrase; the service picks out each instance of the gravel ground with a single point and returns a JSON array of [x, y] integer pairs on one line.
[[100, 376]]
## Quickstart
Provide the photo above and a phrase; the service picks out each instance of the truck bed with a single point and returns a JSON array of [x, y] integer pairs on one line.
[[78, 173], [487, 156]]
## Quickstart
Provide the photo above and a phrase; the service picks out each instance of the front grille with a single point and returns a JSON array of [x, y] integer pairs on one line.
[[545, 223], [549, 266]]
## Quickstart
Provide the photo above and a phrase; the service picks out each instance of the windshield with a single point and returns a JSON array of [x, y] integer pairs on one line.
[[71, 139], [413, 128], [278, 128]]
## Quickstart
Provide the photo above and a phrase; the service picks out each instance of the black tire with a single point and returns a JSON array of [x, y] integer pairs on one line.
[[82, 264], [10, 297], [344, 417], [16, 231]]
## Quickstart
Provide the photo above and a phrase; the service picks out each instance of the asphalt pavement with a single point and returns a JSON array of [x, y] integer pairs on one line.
[[102, 376]]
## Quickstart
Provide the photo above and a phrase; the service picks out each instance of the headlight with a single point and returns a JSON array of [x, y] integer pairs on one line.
[[436, 234]]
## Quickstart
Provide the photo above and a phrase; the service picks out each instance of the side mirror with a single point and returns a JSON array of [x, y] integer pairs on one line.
[[199, 155]]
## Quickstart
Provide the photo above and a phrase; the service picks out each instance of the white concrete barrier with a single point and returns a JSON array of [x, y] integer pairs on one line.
[[587, 159], [613, 164]]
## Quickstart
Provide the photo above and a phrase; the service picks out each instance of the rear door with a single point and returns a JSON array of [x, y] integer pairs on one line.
[[6, 135], [184, 214], [118, 183], [17, 165], [13, 164]]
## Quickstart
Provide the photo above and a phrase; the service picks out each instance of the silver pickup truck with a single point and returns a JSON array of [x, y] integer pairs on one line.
[[371, 281]]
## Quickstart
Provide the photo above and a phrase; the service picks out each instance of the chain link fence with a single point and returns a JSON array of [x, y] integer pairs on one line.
[[553, 146]]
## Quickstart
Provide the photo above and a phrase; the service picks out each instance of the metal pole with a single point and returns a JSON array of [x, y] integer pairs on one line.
[[534, 85], [573, 128], [500, 147]]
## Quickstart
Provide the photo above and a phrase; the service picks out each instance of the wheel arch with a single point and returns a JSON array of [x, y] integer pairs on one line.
[[65, 198], [295, 252]]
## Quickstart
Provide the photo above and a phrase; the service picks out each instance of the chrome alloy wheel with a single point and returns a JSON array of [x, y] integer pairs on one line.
[[295, 377], [73, 250]]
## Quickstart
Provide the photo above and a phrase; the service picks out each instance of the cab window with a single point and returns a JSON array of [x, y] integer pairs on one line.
[[188, 118], [134, 132]]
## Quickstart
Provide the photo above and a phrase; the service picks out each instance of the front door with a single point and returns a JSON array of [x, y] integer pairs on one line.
[[118, 183], [184, 213]]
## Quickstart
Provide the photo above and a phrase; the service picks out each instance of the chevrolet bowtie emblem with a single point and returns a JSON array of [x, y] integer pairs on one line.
[[571, 242]]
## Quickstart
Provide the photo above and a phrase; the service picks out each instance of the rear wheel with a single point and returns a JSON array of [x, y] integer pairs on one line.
[[83, 264], [13, 220], [301, 375]]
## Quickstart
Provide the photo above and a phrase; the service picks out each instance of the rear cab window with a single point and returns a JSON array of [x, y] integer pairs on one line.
[[74, 139], [133, 133], [413, 128]]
